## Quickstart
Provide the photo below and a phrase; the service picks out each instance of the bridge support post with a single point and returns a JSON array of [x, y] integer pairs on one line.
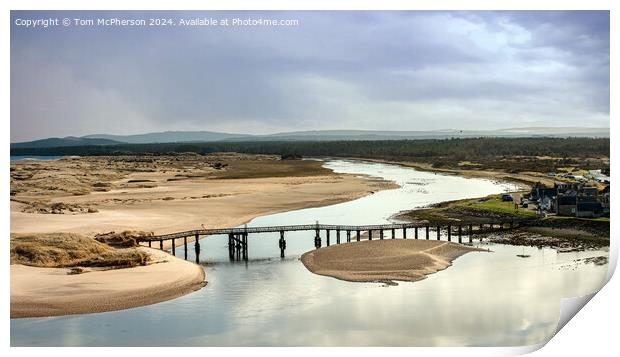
[[404, 233], [161, 244], [317, 239], [337, 236], [348, 236], [460, 234], [358, 236], [282, 244], [238, 246], [427, 232], [149, 244], [393, 233], [470, 231], [231, 246], [327, 231], [245, 245], [381, 233], [197, 248], [449, 233], [370, 234], [438, 233], [185, 247], [174, 248]]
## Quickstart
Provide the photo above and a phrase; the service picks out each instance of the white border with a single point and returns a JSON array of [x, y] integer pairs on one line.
[[590, 332]]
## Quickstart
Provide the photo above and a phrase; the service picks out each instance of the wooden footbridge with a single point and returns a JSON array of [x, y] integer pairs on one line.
[[238, 237]]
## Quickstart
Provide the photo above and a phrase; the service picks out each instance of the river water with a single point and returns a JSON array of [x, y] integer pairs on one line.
[[485, 299]]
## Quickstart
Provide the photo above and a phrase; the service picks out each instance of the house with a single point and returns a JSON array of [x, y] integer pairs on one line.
[[589, 209], [566, 204], [539, 191], [547, 203]]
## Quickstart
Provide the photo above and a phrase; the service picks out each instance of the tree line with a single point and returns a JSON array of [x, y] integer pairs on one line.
[[420, 150]]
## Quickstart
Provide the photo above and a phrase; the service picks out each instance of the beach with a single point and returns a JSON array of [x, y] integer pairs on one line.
[[174, 195], [37, 292]]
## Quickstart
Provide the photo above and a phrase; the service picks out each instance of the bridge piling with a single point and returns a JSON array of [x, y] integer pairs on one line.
[[174, 250], [238, 246], [338, 236], [161, 244], [370, 234], [317, 239], [404, 233], [245, 246], [393, 233], [427, 232], [327, 231], [460, 234], [358, 235], [449, 233], [348, 236], [381, 233], [438, 233], [149, 243], [282, 244], [231, 246], [185, 248], [197, 248]]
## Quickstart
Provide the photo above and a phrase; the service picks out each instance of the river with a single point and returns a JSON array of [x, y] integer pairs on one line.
[[485, 299]]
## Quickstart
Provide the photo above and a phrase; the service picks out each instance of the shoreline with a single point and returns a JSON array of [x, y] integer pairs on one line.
[[45, 292]]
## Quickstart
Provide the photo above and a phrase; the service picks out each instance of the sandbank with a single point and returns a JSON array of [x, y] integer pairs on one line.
[[384, 260]]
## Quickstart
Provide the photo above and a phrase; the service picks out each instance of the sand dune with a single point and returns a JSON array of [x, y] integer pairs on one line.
[[384, 260]]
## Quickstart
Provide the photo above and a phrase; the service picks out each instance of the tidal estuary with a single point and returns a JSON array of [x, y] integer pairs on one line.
[[485, 299]]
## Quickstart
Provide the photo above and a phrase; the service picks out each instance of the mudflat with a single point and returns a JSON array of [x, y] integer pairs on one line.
[[384, 260]]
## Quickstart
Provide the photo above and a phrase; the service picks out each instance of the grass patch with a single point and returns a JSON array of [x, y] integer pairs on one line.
[[496, 205], [60, 250], [244, 169]]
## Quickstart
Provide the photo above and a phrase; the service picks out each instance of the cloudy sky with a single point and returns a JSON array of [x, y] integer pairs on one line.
[[335, 70]]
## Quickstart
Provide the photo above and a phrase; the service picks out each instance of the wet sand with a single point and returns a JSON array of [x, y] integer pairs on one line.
[[37, 292], [384, 260]]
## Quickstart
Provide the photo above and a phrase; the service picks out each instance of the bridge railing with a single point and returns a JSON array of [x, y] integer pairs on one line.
[[322, 227]]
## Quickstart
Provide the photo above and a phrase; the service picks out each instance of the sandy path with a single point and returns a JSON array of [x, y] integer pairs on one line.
[[384, 260], [52, 292]]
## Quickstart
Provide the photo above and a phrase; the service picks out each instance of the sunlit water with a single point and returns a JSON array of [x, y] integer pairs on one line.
[[484, 299]]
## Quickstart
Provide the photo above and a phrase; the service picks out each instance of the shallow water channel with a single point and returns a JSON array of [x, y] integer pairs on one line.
[[485, 299]]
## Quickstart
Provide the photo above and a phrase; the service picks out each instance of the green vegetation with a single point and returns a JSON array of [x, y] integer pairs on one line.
[[507, 154], [54, 250], [496, 205]]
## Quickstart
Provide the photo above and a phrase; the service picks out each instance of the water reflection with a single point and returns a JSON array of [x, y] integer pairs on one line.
[[484, 299]]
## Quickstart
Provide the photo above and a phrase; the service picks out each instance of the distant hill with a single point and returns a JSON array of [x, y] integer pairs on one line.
[[169, 137], [328, 135], [63, 142], [317, 135]]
